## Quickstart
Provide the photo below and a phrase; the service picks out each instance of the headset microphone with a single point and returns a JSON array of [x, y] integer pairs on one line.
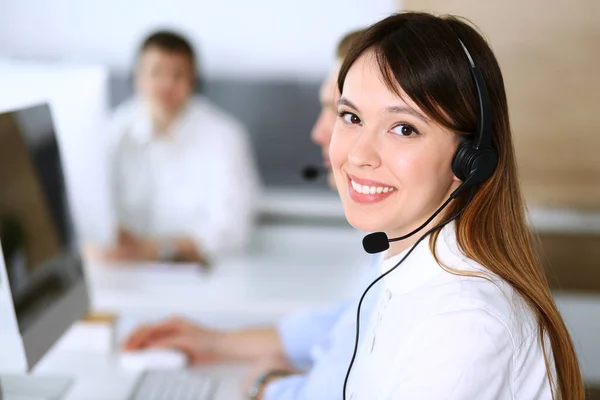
[[377, 242], [311, 172]]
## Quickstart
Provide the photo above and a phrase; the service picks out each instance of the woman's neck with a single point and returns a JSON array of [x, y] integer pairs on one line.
[[402, 245]]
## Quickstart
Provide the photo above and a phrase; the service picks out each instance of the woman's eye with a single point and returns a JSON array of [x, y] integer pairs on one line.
[[405, 130], [350, 118]]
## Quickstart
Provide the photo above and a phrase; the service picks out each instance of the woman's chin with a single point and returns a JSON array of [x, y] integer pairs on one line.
[[364, 224]]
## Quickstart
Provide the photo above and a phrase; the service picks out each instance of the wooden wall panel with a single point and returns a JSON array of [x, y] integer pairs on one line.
[[549, 52]]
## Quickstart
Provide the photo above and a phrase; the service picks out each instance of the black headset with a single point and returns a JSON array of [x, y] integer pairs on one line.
[[473, 163], [475, 160]]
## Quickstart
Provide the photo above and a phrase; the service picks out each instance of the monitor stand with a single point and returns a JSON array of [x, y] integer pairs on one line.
[[28, 387]]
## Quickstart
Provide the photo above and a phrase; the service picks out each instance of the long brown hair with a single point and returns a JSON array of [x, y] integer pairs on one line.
[[422, 54]]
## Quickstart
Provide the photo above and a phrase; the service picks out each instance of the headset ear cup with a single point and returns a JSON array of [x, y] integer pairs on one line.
[[475, 165], [484, 163], [460, 161]]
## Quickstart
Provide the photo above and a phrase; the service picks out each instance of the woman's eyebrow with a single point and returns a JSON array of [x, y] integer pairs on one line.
[[391, 109], [406, 110], [345, 102]]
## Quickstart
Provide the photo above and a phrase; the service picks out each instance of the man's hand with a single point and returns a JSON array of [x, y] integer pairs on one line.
[[199, 344], [262, 366], [130, 247]]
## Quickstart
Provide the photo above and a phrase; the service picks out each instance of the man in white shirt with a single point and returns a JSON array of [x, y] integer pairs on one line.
[[183, 173]]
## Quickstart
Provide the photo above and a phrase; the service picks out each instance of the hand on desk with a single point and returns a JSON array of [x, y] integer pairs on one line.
[[196, 342], [131, 247], [203, 345], [128, 247]]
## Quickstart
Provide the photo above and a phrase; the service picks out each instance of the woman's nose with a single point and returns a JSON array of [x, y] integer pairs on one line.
[[365, 152]]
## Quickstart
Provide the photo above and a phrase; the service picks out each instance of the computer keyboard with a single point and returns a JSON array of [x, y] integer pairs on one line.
[[174, 385]]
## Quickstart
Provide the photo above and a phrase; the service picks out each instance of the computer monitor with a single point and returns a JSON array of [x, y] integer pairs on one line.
[[41, 261]]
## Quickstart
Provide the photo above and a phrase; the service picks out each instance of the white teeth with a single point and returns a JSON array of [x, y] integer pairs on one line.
[[370, 189]]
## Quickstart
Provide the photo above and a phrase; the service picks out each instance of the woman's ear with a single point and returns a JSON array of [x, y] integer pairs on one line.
[[458, 141]]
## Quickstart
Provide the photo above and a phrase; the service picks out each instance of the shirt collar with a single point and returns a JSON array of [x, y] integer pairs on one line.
[[421, 266], [141, 127]]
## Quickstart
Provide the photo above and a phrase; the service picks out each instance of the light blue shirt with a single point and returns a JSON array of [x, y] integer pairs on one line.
[[321, 342]]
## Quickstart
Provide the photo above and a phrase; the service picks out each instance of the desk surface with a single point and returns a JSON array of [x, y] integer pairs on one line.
[[285, 269]]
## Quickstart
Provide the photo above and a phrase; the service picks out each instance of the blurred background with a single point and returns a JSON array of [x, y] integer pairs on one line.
[[264, 61], [267, 50]]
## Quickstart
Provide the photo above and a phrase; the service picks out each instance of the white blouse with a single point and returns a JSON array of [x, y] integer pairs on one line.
[[435, 335], [201, 181]]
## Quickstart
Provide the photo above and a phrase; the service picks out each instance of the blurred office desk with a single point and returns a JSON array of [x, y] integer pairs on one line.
[[287, 267]]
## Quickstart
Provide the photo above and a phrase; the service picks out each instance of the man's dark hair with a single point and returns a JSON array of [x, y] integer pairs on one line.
[[170, 42], [344, 45]]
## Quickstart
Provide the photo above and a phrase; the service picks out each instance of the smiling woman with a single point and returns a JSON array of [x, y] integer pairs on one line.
[[417, 91]]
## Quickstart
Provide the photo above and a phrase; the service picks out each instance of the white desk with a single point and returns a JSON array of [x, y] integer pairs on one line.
[[286, 268]]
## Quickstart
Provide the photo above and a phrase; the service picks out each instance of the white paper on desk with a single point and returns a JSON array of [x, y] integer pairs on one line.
[[177, 271], [126, 274], [87, 336]]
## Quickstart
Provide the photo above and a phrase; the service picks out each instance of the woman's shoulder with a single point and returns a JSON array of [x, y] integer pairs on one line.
[[473, 287], [480, 292]]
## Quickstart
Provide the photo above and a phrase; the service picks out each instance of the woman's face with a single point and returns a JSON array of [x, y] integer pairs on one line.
[[392, 163]]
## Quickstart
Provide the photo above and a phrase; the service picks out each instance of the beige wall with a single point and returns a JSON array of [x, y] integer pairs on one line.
[[549, 52]]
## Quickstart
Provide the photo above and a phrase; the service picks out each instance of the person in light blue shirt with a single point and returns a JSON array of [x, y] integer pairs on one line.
[[304, 356], [320, 343]]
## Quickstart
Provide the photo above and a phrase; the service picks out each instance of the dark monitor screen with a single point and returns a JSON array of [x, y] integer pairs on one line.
[[38, 242]]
